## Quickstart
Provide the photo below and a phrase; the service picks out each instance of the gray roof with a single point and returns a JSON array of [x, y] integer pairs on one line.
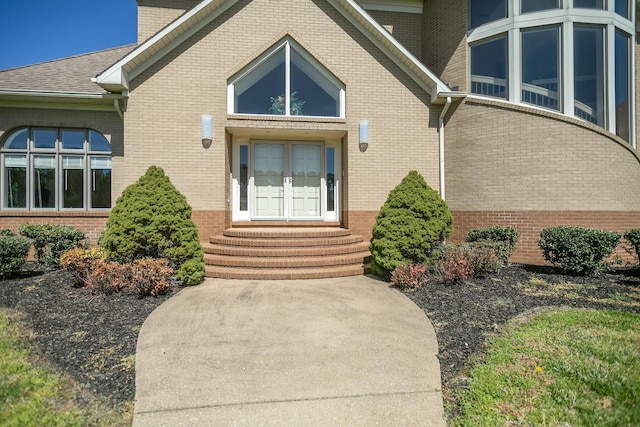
[[72, 74]]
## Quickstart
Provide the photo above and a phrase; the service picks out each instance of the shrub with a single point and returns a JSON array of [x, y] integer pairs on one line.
[[4, 232], [82, 262], [409, 275], [150, 276], [633, 236], [410, 226], [578, 250], [153, 219], [501, 238], [460, 262], [110, 277], [13, 254], [51, 241]]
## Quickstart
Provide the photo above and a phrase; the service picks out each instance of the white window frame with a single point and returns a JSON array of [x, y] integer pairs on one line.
[[287, 44], [58, 154], [566, 16]]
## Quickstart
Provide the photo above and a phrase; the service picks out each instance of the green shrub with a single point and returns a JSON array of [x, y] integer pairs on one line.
[[633, 236], [410, 226], [502, 238], [13, 254], [409, 275], [6, 232], [578, 250], [51, 241], [82, 262], [461, 262], [496, 233], [153, 219]]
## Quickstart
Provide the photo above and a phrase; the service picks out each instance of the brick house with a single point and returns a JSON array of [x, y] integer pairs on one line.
[[286, 123]]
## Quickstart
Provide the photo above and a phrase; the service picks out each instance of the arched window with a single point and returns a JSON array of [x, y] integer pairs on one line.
[[286, 81], [571, 56], [55, 169]]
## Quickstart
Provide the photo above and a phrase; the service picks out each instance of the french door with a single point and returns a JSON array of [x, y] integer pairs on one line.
[[287, 180]]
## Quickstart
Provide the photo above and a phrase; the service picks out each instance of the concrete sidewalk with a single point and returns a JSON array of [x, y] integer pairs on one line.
[[346, 351]]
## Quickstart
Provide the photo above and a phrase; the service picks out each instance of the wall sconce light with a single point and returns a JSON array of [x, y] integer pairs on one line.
[[207, 131], [363, 135]]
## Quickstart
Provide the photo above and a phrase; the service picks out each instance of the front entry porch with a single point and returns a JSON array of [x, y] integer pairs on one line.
[[273, 250]]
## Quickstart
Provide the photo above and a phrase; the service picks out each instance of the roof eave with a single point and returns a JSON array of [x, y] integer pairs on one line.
[[388, 44], [58, 99]]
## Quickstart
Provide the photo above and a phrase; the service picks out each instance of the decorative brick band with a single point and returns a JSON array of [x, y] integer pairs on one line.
[[530, 223]]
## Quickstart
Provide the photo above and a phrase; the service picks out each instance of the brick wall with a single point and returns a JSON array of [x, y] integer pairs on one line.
[[530, 223], [153, 15], [162, 122], [91, 223], [444, 41], [515, 158], [404, 27]]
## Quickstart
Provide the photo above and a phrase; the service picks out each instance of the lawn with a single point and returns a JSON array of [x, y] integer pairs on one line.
[[564, 367], [34, 393]]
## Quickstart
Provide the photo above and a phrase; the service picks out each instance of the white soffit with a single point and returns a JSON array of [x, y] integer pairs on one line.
[[117, 77], [405, 6]]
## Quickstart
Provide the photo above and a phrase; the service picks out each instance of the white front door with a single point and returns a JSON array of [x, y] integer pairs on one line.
[[287, 180]]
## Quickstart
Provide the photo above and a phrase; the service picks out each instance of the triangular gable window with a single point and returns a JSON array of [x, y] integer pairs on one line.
[[286, 81]]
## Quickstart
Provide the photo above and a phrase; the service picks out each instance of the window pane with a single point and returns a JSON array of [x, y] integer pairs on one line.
[[312, 94], [73, 139], [244, 177], [44, 138], [73, 182], [588, 65], [44, 181], [541, 67], [15, 191], [489, 68], [262, 90], [623, 110], [622, 8], [536, 5], [589, 4], [100, 182], [97, 142], [331, 179], [17, 141], [483, 11]]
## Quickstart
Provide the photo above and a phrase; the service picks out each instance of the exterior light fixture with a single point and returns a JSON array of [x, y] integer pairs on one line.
[[363, 135], [207, 131]]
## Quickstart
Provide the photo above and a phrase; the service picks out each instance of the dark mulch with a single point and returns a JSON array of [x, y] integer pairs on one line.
[[92, 337], [465, 315]]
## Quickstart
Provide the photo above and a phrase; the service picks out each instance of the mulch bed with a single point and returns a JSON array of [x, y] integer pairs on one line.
[[92, 337]]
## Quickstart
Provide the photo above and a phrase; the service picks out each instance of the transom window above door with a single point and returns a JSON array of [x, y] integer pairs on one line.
[[286, 81]]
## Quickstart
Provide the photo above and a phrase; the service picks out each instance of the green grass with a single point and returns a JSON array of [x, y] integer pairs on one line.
[[570, 367], [33, 394]]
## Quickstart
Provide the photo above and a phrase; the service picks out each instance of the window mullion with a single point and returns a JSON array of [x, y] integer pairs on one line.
[[610, 73], [567, 88], [287, 77], [514, 80]]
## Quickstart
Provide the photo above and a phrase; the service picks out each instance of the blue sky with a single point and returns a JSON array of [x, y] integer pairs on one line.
[[34, 31]]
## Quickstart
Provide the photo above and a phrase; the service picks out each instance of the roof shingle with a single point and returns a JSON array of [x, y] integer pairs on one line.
[[72, 74]]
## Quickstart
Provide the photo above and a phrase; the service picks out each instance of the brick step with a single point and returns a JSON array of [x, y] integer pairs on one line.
[[286, 262], [284, 242], [285, 251], [286, 232], [284, 273]]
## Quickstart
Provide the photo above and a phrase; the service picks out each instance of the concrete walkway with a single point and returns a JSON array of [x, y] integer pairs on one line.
[[331, 352]]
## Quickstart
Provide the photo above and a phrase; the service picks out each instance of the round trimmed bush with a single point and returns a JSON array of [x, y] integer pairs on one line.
[[13, 254], [153, 219], [410, 226]]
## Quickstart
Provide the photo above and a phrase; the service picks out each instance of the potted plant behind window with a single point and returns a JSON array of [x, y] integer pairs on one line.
[[279, 105]]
